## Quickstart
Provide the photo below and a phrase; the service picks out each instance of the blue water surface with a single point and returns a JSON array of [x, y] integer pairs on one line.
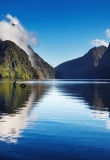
[[55, 120]]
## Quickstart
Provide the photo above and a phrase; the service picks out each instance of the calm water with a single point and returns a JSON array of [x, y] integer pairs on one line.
[[55, 120]]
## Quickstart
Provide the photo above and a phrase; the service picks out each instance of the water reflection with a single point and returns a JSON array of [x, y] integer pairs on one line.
[[96, 96], [16, 104], [15, 107], [71, 124]]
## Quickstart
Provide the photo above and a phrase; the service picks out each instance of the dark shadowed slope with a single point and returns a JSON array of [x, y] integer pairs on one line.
[[84, 67], [104, 65]]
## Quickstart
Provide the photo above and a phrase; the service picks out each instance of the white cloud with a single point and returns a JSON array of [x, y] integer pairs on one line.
[[99, 42], [108, 33], [14, 20], [12, 29]]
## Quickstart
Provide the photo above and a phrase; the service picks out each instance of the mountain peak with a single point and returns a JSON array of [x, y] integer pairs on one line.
[[44, 70], [97, 49], [15, 63], [84, 67], [108, 47]]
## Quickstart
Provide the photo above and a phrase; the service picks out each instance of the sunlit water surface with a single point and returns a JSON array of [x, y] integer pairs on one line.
[[55, 120]]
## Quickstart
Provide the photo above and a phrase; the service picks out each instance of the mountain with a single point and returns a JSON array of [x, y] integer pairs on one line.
[[84, 67], [58, 75], [44, 70], [15, 63], [104, 65]]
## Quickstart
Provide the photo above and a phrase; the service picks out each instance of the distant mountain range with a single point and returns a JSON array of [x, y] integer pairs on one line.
[[15, 63], [93, 65]]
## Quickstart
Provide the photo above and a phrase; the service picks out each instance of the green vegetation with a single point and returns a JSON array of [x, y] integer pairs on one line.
[[14, 62], [12, 99]]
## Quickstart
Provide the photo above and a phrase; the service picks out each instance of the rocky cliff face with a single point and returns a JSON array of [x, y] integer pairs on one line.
[[84, 67], [44, 70], [15, 63]]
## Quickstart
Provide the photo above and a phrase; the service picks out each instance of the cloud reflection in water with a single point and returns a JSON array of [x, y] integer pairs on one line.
[[16, 105]]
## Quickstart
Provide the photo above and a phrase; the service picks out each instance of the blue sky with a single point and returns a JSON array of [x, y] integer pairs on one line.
[[65, 29]]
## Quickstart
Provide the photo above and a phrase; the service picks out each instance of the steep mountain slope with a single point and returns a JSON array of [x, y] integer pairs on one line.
[[14, 62], [44, 70], [84, 67], [104, 65]]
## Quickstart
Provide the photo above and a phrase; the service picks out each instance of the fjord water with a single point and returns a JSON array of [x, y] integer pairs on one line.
[[55, 120]]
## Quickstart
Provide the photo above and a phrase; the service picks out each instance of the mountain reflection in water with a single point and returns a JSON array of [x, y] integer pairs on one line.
[[15, 107], [55, 120], [96, 95]]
